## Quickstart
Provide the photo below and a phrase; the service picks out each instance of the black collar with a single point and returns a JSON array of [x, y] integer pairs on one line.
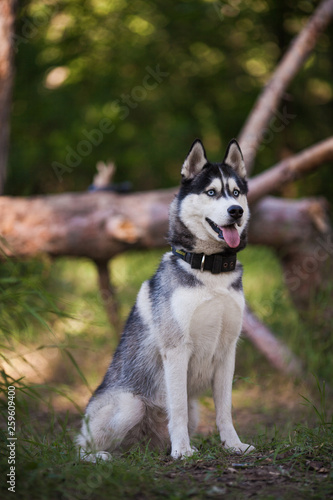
[[215, 263]]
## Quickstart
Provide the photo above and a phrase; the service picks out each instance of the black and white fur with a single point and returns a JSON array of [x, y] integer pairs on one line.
[[181, 335]]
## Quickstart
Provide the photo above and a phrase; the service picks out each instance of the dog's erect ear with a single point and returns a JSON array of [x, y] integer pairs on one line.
[[195, 160], [234, 158]]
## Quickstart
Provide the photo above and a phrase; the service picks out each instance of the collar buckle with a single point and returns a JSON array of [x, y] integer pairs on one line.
[[202, 265]]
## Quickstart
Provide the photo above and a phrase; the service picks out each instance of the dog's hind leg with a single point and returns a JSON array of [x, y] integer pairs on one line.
[[106, 425], [193, 416]]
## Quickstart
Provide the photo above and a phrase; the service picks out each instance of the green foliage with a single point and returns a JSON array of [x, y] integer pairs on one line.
[[81, 62], [24, 300]]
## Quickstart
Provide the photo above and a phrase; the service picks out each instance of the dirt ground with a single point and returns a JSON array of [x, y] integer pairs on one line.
[[257, 476]]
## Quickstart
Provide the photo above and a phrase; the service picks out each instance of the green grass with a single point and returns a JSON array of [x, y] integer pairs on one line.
[[52, 310], [283, 465]]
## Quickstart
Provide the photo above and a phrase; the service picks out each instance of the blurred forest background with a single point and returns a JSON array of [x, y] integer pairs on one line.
[[81, 61], [135, 82]]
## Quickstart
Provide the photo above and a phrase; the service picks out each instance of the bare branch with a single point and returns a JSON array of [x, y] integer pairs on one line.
[[108, 294], [267, 102], [290, 169], [105, 174], [274, 350]]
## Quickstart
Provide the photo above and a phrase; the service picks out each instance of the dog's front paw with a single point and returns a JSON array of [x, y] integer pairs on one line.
[[182, 452], [240, 448], [86, 456]]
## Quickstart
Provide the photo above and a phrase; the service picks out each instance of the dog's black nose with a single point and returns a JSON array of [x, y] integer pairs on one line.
[[235, 211]]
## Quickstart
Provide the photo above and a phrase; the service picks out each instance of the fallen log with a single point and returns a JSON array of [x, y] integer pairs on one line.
[[97, 225], [288, 224], [102, 225]]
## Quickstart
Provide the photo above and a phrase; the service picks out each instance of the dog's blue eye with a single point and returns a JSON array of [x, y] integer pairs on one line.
[[211, 192], [236, 193]]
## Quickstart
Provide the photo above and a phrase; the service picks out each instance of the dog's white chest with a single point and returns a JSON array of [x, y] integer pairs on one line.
[[206, 315], [210, 321], [205, 325]]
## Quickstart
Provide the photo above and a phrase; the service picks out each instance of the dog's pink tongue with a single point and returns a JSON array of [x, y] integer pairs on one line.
[[231, 236]]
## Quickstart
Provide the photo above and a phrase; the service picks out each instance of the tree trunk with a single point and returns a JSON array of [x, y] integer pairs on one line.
[[6, 80]]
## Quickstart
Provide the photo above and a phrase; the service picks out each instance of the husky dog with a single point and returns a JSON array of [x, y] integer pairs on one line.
[[182, 332]]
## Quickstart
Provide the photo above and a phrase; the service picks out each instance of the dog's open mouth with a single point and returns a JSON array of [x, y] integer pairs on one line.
[[227, 233]]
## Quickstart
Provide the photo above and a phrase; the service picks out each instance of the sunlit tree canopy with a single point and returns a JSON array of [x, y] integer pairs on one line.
[[137, 81]]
